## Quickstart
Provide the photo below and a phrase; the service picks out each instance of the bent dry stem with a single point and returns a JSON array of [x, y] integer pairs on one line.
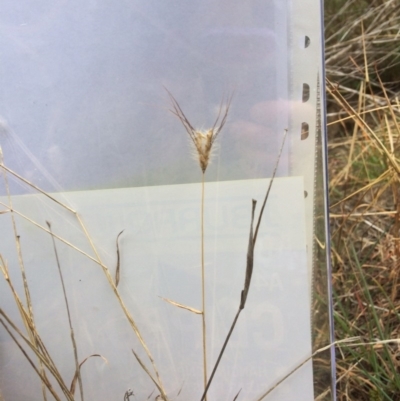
[[249, 267]]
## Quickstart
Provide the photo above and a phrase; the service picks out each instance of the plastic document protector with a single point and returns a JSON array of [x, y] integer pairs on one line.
[[162, 201]]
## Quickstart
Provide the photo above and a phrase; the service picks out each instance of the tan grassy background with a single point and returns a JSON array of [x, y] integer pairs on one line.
[[363, 86]]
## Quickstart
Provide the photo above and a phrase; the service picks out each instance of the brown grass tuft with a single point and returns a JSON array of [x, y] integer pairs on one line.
[[362, 55]]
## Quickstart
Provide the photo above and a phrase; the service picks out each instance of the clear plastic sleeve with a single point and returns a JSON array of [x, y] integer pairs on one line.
[[135, 137]]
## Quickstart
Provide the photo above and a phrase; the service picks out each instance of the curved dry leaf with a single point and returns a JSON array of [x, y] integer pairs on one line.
[[117, 273], [250, 259], [76, 375]]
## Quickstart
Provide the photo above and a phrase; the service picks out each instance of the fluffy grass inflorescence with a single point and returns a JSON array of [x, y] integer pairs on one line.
[[362, 56], [203, 140]]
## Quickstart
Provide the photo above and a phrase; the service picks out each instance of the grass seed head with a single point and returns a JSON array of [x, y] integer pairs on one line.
[[203, 140]]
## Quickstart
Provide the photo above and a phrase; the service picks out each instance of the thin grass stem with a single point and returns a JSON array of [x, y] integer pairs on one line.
[[16, 175], [203, 142], [74, 346], [203, 297], [55, 235]]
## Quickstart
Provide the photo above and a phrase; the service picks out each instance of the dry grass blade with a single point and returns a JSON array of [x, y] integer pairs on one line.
[[188, 308], [77, 372], [378, 180], [359, 112], [74, 346], [16, 175], [55, 235], [250, 260], [270, 185], [21, 307], [363, 125], [389, 103]]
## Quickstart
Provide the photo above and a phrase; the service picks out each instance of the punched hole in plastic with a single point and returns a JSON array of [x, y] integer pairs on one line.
[[304, 131], [306, 93], [307, 41]]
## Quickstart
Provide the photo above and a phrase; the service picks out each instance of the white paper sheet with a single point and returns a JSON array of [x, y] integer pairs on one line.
[[160, 257]]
